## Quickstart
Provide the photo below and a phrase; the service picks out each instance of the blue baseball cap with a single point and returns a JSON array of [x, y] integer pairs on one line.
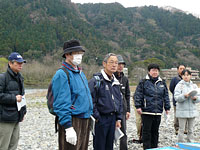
[[16, 57]]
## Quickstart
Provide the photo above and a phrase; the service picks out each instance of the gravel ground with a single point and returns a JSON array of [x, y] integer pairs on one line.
[[38, 133]]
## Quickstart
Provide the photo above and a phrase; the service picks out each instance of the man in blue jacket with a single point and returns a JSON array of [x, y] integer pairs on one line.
[[72, 100], [150, 97], [107, 101], [172, 86]]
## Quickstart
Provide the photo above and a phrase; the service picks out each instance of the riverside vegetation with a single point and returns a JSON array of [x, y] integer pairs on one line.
[[38, 74]]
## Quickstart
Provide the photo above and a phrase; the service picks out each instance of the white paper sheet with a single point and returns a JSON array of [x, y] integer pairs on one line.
[[193, 93], [118, 134], [22, 103], [92, 124]]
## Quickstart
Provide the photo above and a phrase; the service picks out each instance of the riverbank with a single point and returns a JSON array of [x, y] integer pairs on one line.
[[38, 132]]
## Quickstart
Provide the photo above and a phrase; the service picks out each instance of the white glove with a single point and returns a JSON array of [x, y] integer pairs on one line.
[[71, 135]]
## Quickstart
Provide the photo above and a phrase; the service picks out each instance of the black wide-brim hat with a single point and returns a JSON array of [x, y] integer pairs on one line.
[[73, 49]]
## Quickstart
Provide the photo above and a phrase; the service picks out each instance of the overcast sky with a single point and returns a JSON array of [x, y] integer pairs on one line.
[[192, 6]]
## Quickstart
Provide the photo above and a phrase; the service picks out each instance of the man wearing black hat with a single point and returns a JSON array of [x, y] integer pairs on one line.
[[72, 100], [125, 90], [11, 94]]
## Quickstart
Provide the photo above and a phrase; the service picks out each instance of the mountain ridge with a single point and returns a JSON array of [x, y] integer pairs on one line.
[[38, 28]]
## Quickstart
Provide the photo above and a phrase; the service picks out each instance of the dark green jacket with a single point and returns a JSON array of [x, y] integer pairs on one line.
[[11, 84]]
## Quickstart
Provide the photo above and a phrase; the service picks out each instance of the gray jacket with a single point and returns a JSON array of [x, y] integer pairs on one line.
[[185, 107]]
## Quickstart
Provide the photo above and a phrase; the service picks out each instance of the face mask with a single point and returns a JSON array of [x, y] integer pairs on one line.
[[77, 59]]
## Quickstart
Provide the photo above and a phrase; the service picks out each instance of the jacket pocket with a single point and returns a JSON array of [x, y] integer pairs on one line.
[[145, 103], [9, 114]]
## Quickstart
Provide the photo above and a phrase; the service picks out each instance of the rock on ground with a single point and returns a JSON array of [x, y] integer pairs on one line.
[[38, 130]]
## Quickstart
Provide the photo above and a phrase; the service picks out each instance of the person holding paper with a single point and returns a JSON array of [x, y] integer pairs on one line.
[[11, 93], [186, 99], [173, 83], [150, 97], [107, 102]]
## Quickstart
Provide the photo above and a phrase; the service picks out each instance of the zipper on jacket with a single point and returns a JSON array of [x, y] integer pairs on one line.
[[114, 102], [113, 98], [156, 97]]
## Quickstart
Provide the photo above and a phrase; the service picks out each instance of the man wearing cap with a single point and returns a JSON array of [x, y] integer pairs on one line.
[[125, 90], [11, 93], [72, 100]]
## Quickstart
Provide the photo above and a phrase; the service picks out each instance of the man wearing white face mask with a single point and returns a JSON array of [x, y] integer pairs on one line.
[[72, 100]]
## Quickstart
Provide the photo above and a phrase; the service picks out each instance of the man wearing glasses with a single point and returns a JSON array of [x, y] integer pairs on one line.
[[107, 102], [11, 93]]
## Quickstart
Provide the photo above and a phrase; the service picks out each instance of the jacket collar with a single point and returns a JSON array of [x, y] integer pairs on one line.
[[115, 81], [12, 73], [186, 83], [147, 78], [117, 76], [68, 66]]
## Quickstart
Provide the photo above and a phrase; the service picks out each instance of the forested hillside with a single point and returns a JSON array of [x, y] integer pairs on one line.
[[145, 32], [141, 34]]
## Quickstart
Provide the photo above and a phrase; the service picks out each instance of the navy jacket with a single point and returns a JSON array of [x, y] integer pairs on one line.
[[172, 86], [107, 98], [152, 97]]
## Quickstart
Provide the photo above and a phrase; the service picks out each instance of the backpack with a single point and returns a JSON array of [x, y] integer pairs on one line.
[[4, 76], [98, 82], [49, 96], [97, 86]]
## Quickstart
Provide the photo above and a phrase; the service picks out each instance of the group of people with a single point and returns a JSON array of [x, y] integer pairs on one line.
[[106, 98], [184, 102]]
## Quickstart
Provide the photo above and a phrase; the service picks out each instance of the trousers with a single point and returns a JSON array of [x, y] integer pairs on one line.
[[104, 132], [9, 136], [150, 130], [81, 127], [123, 140], [182, 123]]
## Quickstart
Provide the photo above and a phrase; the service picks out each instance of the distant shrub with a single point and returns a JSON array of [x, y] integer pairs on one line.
[[3, 64]]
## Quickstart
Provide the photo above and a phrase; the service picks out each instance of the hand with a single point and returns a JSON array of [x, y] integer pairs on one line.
[[186, 95], [118, 124], [71, 136], [139, 111], [167, 112], [194, 98], [18, 98], [23, 119], [128, 115]]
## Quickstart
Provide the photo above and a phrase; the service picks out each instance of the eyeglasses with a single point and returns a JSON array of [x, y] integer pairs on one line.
[[113, 62]]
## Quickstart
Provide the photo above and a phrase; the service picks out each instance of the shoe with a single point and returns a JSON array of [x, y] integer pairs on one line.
[[176, 132], [185, 132]]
